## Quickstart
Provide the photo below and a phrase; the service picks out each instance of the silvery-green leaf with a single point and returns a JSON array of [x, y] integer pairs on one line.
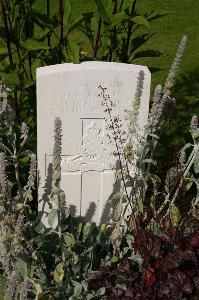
[[52, 217], [170, 178], [175, 215], [21, 267], [101, 291], [196, 164], [69, 239], [77, 288], [58, 273]]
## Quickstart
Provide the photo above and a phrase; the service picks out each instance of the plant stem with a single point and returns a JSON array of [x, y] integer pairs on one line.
[[8, 39], [10, 56], [191, 160], [48, 14], [17, 177], [187, 168], [60, 230], [129, 33], [61, 38], [120, 156], [114, 35], [97, 40]]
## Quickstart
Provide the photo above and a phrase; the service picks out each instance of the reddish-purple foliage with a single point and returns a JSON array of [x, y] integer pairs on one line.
[[170, 269]]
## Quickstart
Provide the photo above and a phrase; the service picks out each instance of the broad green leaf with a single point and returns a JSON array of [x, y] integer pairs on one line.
[[52, 217], [69, 240], [101, 291], [39, 227], [115, 196], [33, 45], [27, 83], [147, 53], [21, 267], [118, 18], [126, 5], [121, 287], [42, 35], [75, 258], [89, 296], [43, 20], [75, 24], [77, 288], [175, 215], [140, 20], [170, 178], [3, 52], [114, 259], [73, 51], [11, 138], [102, 11], [189, 185], [156, 15], [94, 27], [195, 134], [140, 205], [11, 78], [58, 273], [67, 11], [36, 64], [139, 41], [88, 228]]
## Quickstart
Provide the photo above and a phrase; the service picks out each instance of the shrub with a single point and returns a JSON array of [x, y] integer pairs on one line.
[[150, 250]]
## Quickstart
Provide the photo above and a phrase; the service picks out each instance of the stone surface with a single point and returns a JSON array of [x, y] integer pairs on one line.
[[71, 92]]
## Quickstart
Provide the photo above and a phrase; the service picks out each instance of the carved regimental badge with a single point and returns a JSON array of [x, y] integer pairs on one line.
[[96, 151]]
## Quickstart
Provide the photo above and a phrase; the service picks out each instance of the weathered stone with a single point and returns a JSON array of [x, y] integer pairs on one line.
[[71, 92]]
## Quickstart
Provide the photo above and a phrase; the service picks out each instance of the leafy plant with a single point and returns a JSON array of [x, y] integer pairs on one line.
[[147, 252], [112, 31], [135, 150], [168, 269], [31, 38]]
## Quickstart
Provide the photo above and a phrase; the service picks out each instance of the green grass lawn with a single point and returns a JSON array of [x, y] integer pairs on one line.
[[168, 32]]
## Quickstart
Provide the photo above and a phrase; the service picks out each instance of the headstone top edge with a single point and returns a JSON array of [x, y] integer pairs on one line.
[[89, 65]]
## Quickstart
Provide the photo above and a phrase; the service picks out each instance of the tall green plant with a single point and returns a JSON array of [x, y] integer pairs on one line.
[[31, 38], [112, 29], [136, 151]]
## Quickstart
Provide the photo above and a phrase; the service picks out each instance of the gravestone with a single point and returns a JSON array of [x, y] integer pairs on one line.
[[72, 93]]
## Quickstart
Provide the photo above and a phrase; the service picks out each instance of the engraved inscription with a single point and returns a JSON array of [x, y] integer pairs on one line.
[[82, 97]]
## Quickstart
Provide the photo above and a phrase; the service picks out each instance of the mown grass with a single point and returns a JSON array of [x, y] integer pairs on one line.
[[183, 20], [168, 31]]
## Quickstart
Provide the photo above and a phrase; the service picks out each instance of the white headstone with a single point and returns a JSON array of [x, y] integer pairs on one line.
[[71, 92]]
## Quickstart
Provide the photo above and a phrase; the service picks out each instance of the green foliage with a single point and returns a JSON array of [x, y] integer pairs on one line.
[[61, 262], [31, 37], [148, 198], [57, 262]]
